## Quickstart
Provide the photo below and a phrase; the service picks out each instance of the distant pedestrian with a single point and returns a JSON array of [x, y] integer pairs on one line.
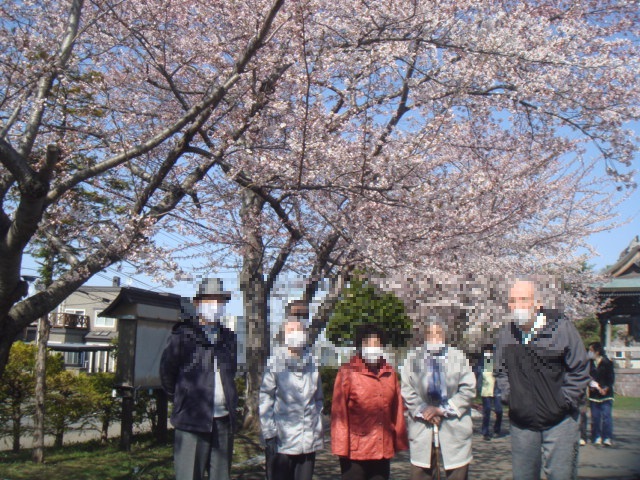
[[542, 372], [438, 386], [489, 392], [601, 395], [367, 417], [197, 370], [291, 402]]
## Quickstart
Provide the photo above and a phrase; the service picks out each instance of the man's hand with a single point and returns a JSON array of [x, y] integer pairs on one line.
[[433, 414]]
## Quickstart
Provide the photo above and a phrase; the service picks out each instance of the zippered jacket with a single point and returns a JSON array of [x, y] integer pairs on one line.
[[603, 374], [187, 373], [543, 380], [291, 403], [367, 415]]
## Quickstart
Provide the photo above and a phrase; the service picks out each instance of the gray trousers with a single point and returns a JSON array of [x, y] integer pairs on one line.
[[555, 450], [195, 452]]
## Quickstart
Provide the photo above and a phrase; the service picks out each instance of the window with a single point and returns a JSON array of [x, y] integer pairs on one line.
[[74, 359], [103, 322]]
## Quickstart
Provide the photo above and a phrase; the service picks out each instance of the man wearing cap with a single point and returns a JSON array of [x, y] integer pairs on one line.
[[197, 370]]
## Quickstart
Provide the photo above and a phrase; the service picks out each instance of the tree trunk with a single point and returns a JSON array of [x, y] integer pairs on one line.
[[59, 438], [41, 386], [253, 287], [104, 432], [17, 425], [6, 340]]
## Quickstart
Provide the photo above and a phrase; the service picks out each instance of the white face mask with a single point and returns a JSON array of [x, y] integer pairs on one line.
[[211, 312], [295, 339], [488, 355], [522, 316], [433, 347], [591, 354], [372, 354]]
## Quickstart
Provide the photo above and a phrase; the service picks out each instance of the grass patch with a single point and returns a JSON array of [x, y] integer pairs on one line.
[[147, 460], [626, 403]]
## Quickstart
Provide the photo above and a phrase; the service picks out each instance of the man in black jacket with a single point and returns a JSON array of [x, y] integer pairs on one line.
[[542, 371], [197, 370]]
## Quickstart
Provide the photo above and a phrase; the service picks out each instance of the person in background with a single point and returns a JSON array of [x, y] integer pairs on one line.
[[438, 386], [541, 368], [197, 370], [489, 392], [601, 395], [367, 418], [291, 402]]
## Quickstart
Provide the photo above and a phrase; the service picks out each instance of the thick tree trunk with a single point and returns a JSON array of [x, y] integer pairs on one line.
[[253, 287], [41, 363], [7, 337]]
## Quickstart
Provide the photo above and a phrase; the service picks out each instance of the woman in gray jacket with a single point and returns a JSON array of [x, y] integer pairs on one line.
[[438, 386], [291, 406]]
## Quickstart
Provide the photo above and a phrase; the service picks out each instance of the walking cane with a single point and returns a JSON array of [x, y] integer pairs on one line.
[[436, 446]]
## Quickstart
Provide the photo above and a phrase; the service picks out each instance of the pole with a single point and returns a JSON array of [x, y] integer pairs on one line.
[[162, 405], [126, 423]]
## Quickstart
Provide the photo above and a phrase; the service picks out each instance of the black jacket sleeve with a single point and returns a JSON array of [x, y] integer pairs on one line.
[[500, 366], [170, 363], [576, 376]]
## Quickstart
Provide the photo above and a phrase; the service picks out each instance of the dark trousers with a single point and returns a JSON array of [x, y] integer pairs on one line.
[[293, 467], [601, 420], [365, 469], [196, 452], [489, 403], [583, 422]]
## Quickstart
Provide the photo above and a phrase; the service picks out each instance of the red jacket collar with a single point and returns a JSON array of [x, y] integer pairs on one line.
[[357, 365]]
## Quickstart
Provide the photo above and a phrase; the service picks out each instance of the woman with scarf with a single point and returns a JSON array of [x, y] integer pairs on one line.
[[438, 386], [367, 418], [291, 403]]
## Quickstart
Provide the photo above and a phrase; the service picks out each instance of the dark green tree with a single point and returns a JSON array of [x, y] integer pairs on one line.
[[105, 407], [364, 303], [70, 401], [589, 330], [17, 389]]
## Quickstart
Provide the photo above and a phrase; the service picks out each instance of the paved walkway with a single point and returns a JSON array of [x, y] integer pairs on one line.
[[492, 459]]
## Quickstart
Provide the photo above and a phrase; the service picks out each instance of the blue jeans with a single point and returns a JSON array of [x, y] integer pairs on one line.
[[601, 420], [487, 404], [554, 450]]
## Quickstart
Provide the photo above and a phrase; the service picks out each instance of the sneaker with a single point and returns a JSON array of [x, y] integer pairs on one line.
[[597, 441], [487, 437], [607, 442], [582, 442]]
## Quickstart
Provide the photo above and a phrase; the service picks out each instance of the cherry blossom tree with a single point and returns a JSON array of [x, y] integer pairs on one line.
[[308, 136]]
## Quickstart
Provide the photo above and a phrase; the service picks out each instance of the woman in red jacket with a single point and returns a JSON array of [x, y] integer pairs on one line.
[[367, 417]]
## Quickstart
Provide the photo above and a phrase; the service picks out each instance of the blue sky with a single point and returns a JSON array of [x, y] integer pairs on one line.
[[609, 244]]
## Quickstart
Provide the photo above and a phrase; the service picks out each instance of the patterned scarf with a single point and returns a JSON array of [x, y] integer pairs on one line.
[[435, 378]]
